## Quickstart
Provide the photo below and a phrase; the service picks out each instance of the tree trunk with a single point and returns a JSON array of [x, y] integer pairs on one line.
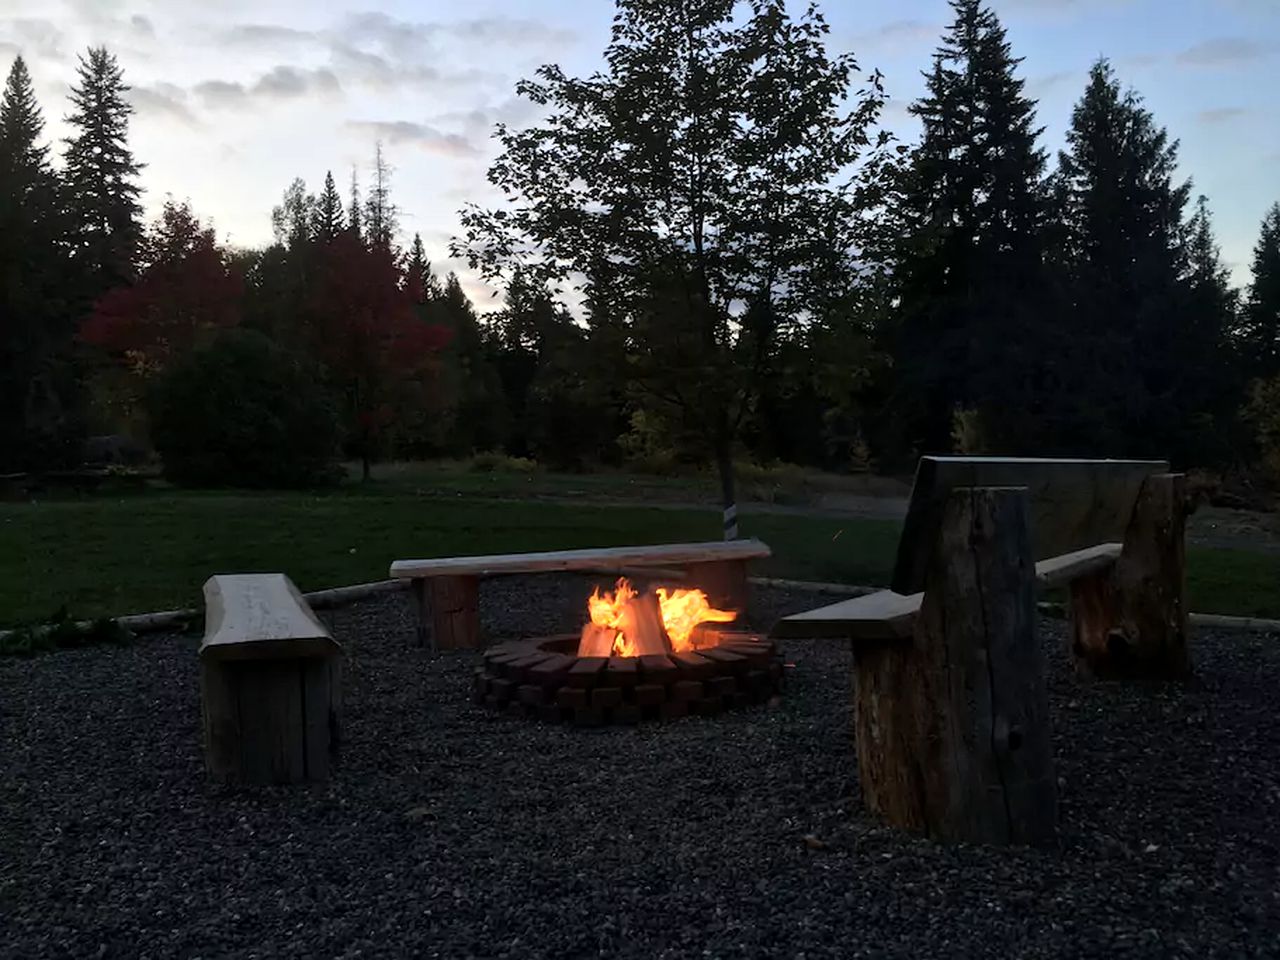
[[364, 463], [724, 464]]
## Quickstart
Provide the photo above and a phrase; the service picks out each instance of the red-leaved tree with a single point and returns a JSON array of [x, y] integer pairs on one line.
[[186, 288], [369, 335]]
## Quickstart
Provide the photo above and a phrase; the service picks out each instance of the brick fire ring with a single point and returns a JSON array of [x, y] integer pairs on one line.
[[543, 678]]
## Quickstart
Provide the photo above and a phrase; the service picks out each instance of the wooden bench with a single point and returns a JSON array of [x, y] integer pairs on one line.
[[270, 682], [446, 590], [950, 707]]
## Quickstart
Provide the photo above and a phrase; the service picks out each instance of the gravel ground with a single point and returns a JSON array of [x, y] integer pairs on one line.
[[448, 831]]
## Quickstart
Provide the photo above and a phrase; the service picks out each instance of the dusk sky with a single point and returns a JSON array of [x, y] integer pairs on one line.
[[234, 99]]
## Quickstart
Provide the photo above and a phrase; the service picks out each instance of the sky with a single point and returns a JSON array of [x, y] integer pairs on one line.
[[236, 98]]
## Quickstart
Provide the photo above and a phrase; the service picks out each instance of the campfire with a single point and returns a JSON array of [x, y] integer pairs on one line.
[[627, 623]]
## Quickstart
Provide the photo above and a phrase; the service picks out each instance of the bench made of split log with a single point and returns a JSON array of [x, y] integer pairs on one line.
[[270, 682], [951, 709], [446, 590]]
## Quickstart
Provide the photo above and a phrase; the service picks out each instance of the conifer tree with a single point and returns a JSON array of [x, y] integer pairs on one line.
[[422, 281], [328, 214], [1125, 260], [1260, 328], [380, 213], [971, 271], [37, 381], [353, 208], [101, 174]]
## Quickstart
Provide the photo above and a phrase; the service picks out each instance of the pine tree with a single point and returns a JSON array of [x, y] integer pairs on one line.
[[1125, 257], [293, 220], [971, 266], [353, 209], [38, 395], [328, 216], [422, 281], [1260, 333], [379, 212], [102, 192]]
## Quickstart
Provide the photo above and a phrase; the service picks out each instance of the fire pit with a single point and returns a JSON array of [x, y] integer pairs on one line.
[[652, 655]]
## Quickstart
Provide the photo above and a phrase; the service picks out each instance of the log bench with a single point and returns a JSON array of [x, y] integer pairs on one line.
[[446, 590], [950, 702], [270, 683]]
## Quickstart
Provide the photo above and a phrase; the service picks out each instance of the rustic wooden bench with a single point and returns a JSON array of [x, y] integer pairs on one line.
[[950, 706], [446, 590], [270, 682]]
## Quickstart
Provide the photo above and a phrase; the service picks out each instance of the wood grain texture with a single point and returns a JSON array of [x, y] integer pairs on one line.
[[1073, 504], [674, 554], [1132, 623], [260, 616], [875, 617], [455, 612], [952, 729], [272, 732]]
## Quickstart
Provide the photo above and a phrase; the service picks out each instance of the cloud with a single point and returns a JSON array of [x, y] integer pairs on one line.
[[163, 101], [1221, 115], [1222, 51], [374, 70], [404, 37], [1041, 85], [513, 31], [265, 34], [142, 26], [34, 37], [279, 83], [423, 136]]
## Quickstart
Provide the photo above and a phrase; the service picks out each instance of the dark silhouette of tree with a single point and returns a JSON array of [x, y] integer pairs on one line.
[[1260, 328], [1122, 210], [421, 281], [708, 165], [970, 274], [353, 207], [101, 174], [380, 214], [293, 220], [38, 401], [329, 219]]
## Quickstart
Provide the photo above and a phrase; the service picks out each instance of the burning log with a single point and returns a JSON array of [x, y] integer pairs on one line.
[[597, 641], [641, 624]]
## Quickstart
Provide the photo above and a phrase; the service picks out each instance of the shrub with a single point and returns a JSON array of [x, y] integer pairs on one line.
[[501, 463], [242, 411]]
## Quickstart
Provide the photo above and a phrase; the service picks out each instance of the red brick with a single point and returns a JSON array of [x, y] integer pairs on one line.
[[737, 701], [550, 713], [588, 717], [707, 706], [586, 672], [606, 697], [650, 694], [693, 665], [657, 668], [727, 659], [515, 708], [518, 670], [501, 690], [622, 671], [673, 710], [551, 671], [686, 690], [627, 713], [531, 694], [721, 686], [759, 684], [757, 654], [571, 697]]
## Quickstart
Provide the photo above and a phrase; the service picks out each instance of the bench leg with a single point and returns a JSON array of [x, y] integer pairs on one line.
[[952, 728], [1131, 622], [448, 611], [723, 581]]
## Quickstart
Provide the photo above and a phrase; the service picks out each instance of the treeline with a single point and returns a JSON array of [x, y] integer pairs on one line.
[[732, 294]]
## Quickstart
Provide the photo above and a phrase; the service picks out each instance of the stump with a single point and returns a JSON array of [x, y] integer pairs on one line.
[[448, 610], [952, 727], [1131, 622], [270, 683]]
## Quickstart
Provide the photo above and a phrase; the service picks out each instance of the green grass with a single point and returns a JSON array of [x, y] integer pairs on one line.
[[102, 557]]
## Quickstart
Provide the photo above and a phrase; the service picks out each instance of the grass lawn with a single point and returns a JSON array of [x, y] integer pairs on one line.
[[135, 554]]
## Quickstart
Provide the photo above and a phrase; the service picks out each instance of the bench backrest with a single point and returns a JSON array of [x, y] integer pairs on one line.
[[1073, 503]]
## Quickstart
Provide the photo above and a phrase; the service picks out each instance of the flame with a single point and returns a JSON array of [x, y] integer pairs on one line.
[[682, 610]]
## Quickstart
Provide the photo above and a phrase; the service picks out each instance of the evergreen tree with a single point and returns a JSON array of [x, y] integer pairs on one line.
[[293, 220], [480, 419], [328, 216], [102, 192], [1125, 258], [971, 270], [38, 396], [1260, 329], [422, 281], [353, 208], [380, 214]]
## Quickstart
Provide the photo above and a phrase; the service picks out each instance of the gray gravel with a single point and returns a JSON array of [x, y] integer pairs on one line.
[[449, 831]]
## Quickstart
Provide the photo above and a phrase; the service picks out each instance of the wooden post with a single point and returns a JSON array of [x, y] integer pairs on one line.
[[723, 581], [1131, 622], [453, 604], [952, 728]]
